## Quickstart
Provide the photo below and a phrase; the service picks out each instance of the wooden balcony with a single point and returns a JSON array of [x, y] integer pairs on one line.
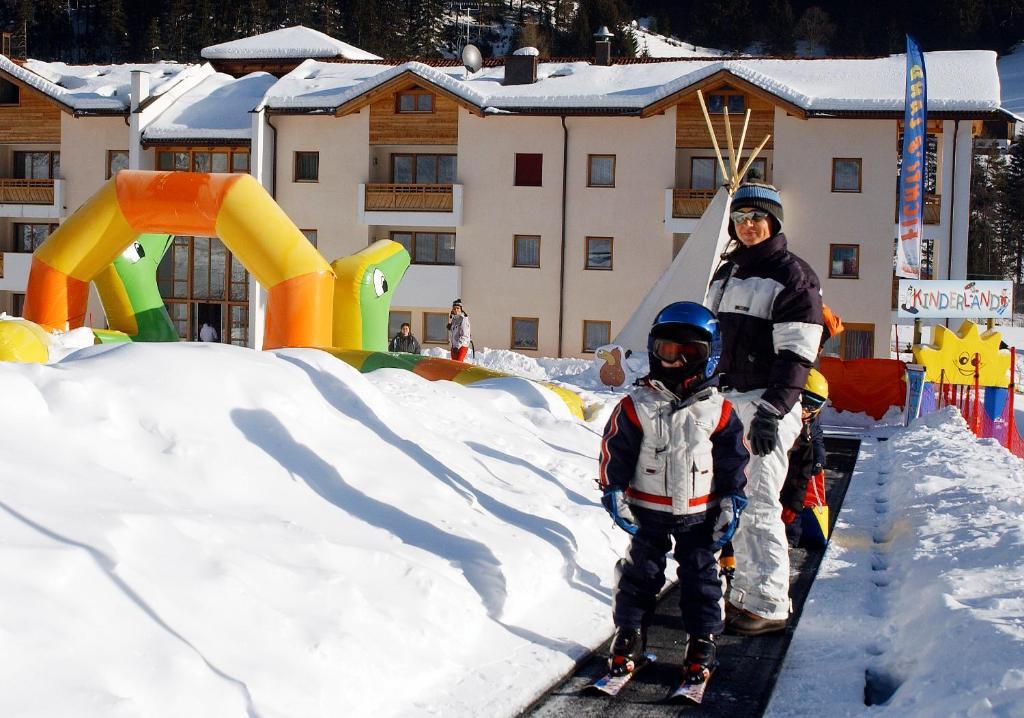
[[691, 203], [26, 191], [408, 198]]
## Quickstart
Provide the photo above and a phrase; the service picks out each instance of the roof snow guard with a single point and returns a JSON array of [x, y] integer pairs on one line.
[[963, 83]]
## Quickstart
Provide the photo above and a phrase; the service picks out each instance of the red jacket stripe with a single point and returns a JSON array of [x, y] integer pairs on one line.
[[724, 418], [650, 498]]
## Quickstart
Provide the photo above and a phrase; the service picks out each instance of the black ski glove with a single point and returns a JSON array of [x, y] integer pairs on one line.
[[764, 430]]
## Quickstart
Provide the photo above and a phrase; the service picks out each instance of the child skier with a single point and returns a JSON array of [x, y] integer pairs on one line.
[[806, 476], [672, 467]]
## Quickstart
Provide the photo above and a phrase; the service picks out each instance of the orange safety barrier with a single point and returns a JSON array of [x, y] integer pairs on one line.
[[867, 385]]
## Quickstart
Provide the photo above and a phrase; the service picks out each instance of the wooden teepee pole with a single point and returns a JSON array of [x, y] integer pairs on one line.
[[714, 140], [739, 150], [733, 162]]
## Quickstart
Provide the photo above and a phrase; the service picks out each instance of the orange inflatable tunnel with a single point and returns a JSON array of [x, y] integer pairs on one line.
[[867, 385], [233, 207]]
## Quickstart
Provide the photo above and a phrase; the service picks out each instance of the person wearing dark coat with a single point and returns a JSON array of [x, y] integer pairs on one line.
[[768, 302], [404, 341]]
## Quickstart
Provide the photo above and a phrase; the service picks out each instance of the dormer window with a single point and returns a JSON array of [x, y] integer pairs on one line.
[[718, 101], [414, 101]]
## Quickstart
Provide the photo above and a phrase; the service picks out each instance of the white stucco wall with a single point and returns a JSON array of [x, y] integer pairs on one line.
[[328, 206], [816, 217]]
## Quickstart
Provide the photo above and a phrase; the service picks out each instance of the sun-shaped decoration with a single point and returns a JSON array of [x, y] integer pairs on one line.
[[951, 356]]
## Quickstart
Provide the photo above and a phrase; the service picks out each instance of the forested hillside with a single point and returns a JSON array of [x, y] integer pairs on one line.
[[122, 30]]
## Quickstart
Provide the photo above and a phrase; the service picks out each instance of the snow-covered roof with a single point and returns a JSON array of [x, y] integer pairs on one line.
[[961, 81], [216, 108], [296, 42], [93, 88]]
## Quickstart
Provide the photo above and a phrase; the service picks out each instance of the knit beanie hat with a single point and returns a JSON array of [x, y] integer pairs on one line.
[[759, 195]]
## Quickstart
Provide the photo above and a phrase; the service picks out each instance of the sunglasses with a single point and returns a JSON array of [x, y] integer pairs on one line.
[[670, 351], [755, 216]]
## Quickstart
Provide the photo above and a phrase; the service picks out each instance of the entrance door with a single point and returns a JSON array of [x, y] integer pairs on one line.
[[201, 282]]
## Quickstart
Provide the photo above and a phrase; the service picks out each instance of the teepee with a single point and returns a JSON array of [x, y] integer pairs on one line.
[[688, 276]]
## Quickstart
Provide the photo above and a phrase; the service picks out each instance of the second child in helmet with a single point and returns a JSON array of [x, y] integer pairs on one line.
[[672, 471]]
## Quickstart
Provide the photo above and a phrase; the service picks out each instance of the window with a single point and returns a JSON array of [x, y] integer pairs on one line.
[[596, 334], [599, 253], [857, 341], [307, 166], [187, 160], [435, 328], [529, 170], [28, 237], [414, 101], [423, 169], [309, 234], [706, 173], [36, 165], [10, 94], [526, 252], [18, 305], [846, 173], [116, 160], [719, 101], [844, 261], [427, 247], [600, 170], [524, 332], [396, 320]]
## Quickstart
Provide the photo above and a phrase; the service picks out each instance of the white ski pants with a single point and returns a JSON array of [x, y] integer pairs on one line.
[[761, 583]]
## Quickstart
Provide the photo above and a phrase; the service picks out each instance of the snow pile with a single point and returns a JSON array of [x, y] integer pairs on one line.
[[204, 530], [918, 604], [650, 44], [216, 108], [95, 87], [1011, 81], [297, 42]]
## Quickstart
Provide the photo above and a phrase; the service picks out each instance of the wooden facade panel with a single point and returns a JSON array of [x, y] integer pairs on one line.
[[692, 130], [389, 127], [34, 119]]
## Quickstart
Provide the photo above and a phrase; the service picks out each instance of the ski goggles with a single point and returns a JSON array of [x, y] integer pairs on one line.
[[812, 402], [670, 351], [754, 216]]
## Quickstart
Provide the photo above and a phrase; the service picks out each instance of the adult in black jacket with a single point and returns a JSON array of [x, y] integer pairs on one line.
[[768, 302], [404, 341]]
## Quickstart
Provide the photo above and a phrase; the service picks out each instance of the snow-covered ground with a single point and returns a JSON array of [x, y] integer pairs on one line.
[[204, 530]]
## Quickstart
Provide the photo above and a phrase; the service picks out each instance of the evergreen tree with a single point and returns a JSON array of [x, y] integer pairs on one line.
[[726, 24], [1009, 190], [984, 254], [780, 27], [116, 31]]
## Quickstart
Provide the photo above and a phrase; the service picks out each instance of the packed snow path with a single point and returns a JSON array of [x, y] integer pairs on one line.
[[743, 683]]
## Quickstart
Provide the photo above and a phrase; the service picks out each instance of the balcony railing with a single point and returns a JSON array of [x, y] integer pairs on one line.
[[409, 198], [691, 203], [932, 207], [26, 191]]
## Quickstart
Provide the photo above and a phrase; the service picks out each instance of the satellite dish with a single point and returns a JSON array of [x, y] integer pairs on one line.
[[472, 58]]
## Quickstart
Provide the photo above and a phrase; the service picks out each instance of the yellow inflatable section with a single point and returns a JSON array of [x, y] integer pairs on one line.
[[23, 341]]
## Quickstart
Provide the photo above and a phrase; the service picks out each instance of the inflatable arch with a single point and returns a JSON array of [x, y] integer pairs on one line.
[[233, 207]]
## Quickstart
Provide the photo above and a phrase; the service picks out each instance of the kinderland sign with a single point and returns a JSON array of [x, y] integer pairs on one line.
[[954, 298]]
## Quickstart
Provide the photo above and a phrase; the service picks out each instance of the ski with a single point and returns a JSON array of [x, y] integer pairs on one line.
[[693, 686], [611, 685]]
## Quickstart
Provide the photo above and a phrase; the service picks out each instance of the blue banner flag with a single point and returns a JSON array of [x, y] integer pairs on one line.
[[914, 166]]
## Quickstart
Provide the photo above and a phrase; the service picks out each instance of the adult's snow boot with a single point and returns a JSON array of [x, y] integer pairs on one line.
[[628, 647], [700, 658]]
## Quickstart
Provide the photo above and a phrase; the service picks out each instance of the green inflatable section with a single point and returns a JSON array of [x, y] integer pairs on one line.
[[137, 271]]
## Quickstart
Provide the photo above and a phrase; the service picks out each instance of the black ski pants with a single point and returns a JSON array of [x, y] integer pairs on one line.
[[641, 574]]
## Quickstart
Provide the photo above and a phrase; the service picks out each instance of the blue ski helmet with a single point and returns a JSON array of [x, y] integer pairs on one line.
[[686, 322]]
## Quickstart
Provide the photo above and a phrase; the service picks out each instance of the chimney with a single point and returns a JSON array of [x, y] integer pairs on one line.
[[603, 47], [521, 67], [140, 88]]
